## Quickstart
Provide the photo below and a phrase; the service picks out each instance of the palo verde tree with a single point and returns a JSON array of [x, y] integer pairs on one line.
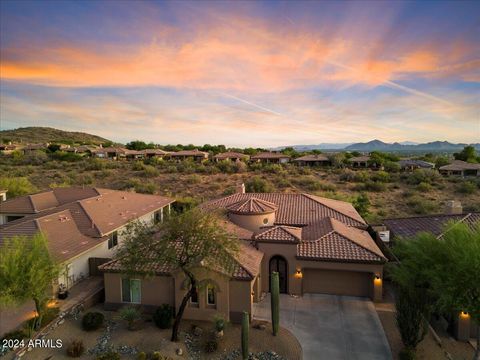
[[183, 243], [26, 272]]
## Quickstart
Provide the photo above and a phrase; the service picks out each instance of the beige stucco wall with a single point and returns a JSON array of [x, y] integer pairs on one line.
[[204, 311], [241, 299], [252, 222], [155, 291], [289, 251]]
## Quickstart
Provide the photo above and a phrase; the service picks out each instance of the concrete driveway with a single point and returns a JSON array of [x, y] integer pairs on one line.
[[331, 327]]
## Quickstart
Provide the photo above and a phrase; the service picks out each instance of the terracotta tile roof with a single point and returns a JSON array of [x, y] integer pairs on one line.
[[241, 233], [195, 153], [313, 157], [155, 152], [341, 243], [297, 209], [246, 265], [230, 155], [45, 200], [77, 226], [252, 205], [279, 233], [270, 155], [459, 165], [409, 227], [324, 229]]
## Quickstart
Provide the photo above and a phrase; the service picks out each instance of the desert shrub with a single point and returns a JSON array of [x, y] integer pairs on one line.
[[420, 205], [422, 175], [424, 187], [406, 354], [373, 186], [381, 176], [109, 355], [130, 314], [92, 321], [282, 182], [362, 204], [163, 316], [95, 164], [75, 348], [66, 156], [229, 191], [144, 187], [258, 185], [150, 171], [82, 179], [391, 166], [35, 158], [142, 356], [466, 187], [240, 167], [273, 169], [17, 186], [193, 179], [225, 166], [220, 322], [362, 176], [138, 166], [308, 182], [347, 175], [48, 316]]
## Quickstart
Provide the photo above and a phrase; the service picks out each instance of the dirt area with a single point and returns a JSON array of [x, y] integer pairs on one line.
[[149, 338], [428, 349]]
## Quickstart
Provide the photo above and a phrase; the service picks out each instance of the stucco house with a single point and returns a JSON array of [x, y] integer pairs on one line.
[[317, 245], [195, 155], [270, 157], [460, 168], [80, 224], [230, 155], [313, 160]]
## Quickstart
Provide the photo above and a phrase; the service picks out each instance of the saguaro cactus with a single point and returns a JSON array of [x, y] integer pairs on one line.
[[245, 329], [275, 305]]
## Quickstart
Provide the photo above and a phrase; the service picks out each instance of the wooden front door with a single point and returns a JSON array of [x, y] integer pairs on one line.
[[279, 264]]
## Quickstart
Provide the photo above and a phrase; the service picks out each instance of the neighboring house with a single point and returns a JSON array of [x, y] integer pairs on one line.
[[81, 224], [317, 245], [133, 154], [313, 160], [409, 165], [361, 162], [155, 153], [34, 147], [114, 153], [82, 149], [460, 168], [7, 148], [230, 155], [195, 155], [270, 157]]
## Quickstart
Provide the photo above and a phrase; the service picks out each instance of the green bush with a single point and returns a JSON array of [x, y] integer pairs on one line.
[[258, 185], [391, 166], [421, 206], [381, 176], [138, 165], [467, 187], [406, 354], [150, 171], [130, 314], [16, 186], [75, 348], [95, 164], [92, 321], [422, 175], [374, 186], [142, 356], [109, 355], [424, 187], [48, 316], [211, 344], [163, 316]]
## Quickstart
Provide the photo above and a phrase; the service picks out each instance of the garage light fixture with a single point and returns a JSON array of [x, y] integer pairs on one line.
[[464, 315], [298, 274]]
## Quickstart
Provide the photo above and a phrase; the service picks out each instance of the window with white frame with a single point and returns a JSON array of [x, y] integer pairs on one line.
[[113, 240], [131, 291]]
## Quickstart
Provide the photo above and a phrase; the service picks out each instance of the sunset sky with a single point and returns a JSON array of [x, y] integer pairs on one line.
[[243, 73]]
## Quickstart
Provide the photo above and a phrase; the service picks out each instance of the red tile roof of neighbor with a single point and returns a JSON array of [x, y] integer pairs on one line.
[[459, 165], [194, 152], [270, 155], [81, 224], [435, 224], [323, 229], [252, 205], [246, 265], [230, 155], [313, 157]]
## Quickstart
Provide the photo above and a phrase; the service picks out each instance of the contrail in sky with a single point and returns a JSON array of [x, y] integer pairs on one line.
[[251, 104]]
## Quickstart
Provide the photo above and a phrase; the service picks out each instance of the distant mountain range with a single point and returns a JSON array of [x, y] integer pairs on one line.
[[378, 145]]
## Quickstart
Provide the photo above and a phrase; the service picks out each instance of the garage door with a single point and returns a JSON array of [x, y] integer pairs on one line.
[[336, 282]]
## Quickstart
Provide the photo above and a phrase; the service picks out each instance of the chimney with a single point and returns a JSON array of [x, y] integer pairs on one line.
[[453, 207], [241, 189]]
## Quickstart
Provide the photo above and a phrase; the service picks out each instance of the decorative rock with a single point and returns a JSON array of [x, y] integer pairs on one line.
[[21, 353], [61, 321], [179, 352]]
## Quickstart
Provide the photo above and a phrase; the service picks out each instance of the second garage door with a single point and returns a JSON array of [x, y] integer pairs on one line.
[[335, 282]]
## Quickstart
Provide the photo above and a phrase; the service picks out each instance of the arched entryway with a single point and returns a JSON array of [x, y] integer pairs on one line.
[[280, 265]]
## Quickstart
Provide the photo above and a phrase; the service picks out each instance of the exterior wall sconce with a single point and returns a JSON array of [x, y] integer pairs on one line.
[[377, 280], [298, 274], [464, 315]]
